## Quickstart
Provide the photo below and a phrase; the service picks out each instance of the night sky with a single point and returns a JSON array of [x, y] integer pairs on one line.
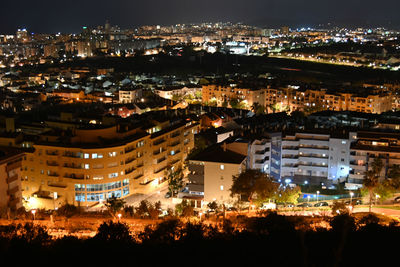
[[70, 15]]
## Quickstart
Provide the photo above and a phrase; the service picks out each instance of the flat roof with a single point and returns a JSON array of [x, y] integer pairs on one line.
[[216, 153]]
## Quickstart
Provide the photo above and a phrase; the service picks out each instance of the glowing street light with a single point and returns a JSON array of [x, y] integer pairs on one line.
[[119, 216], [377, 197], [351, 197], [317, 195], [33, 212]]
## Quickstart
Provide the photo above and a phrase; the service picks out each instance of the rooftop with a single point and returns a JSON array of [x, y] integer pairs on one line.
[[216, 153]]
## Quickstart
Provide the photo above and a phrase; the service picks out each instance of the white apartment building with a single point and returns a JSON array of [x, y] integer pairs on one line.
[[313, 158], [365, 148], [259, 155]]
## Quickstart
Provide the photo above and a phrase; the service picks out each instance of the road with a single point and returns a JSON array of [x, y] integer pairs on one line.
[[384, 211]]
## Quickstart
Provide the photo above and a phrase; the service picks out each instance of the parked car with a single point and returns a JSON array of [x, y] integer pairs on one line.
[[289, 205], [305, 205], [231, 209], [396, 200], [168, 195], [211, 211], [354, 202], [321, 204], [268, 206]]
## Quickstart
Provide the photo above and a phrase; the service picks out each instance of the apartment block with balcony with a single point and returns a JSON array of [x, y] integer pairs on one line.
[[96, 163], [259, 155], [309, 158], [294, 98], [10, 178], [367, 146], [130, 95]]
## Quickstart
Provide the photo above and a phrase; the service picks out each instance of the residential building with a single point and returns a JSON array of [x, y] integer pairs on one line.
[[309, 157], [130, 95], [212, 170], [97, 162], [368, 145], [294, 98], [10, 178]]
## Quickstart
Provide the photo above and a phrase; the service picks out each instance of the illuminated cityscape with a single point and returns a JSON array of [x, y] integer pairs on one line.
[[257, 136]]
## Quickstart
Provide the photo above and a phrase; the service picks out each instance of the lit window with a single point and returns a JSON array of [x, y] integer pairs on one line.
[[86, 155], [86, 166], [112, 175], [344, 142]]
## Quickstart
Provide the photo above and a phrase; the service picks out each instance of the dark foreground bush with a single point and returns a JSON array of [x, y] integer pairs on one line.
[[265, 241]]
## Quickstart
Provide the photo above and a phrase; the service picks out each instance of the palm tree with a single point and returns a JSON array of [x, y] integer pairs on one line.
[[371, 179]]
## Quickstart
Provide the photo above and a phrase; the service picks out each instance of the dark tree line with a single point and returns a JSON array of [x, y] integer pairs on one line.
[[271, 240]]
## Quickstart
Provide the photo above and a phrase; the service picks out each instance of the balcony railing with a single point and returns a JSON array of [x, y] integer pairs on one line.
[[75, 176], [138, 176], [129, 160], [158, 142], [129, 150], [129, 171], [12, 178], [71, 166], [12, 191]]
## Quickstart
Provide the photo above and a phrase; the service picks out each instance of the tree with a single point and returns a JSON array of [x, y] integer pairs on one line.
[[213, 205], [154, 211], [339, 207], [111, 231], [257, 108], [253, 185], [394, 177], [234, 103], [67, 210], [371, 179], [287, 194], [175, 180], [184, 209], [114, 205], [149, 210]]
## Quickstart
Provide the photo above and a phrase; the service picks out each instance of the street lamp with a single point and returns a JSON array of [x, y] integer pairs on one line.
[[377, 196], [308, 198], [351, 198], [119, 216], [33, 212], [317, 195]]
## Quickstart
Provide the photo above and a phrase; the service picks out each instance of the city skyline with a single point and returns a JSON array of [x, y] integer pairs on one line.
[[46, 16]]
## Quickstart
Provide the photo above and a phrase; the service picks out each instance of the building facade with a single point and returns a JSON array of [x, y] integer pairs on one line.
[[292, 98], [10, 179], [98, 163]]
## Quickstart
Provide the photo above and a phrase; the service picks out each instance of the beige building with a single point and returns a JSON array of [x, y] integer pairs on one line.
[[130, 96], [98, 163], [291, 98], [212, 170], [10, 179]]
